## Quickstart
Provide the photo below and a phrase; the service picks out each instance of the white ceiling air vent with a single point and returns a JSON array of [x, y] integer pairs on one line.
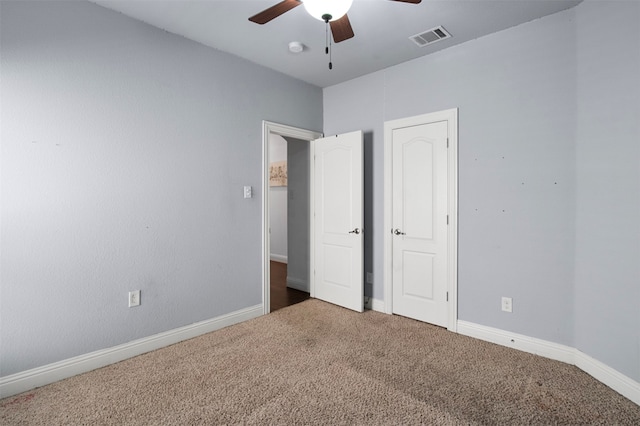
[[431, 36]]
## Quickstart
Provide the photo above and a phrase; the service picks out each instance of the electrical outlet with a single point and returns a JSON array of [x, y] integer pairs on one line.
[[369, 278], [507, 304], [134, 298], [247, 192]]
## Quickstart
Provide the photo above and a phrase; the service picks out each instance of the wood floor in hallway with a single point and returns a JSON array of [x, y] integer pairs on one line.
[[281, 295]]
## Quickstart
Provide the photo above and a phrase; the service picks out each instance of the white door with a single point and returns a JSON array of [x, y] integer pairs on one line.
[[419, 222], [338, 229]]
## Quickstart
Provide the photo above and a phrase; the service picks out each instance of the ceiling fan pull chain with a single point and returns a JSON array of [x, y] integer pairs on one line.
[[330, 60], [330, 63], [327, 49], [326, 37]]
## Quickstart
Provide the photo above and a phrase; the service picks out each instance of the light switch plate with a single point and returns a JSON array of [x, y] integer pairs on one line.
[[134, 298], [507, 304]]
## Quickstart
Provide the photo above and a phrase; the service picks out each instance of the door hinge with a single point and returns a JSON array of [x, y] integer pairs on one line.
[[447, 219], [447, 296], [447, 142]]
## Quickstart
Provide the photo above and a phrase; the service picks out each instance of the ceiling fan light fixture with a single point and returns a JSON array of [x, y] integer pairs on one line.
[[327, 10]]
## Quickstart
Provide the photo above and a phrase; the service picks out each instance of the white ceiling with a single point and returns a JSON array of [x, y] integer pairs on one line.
[[382, 29]]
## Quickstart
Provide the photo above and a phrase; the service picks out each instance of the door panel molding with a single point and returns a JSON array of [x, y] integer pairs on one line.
[[451, 117], [269, 128]]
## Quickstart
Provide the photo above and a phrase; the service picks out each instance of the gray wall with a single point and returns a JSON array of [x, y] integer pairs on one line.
[[124, 154], [527, 149], [607, 285], [298, 225]]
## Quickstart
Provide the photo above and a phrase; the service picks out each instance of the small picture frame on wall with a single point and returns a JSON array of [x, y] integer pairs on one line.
[[278, 173]]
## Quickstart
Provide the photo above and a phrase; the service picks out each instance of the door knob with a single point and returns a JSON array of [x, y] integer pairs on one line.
[[355, 231], [399, 232]]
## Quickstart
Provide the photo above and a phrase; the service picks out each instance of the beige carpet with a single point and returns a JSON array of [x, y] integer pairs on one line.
[[315, 363]]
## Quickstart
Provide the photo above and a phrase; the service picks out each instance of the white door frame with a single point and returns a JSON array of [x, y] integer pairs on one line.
[[451, 116], [293, 132]]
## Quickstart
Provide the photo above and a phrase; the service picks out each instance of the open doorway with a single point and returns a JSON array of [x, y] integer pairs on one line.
[[288, 220], [287, 259]]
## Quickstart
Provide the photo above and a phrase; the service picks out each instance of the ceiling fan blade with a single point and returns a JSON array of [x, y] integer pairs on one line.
[[341, 29], [409, 1], [274, 11]]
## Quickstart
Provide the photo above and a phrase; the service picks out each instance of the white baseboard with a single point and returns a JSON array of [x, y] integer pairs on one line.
[[298, 284], [373, 304], [377, 305], [518, 341], [40, 376], [607, 375], [279, 258], [600, 371]]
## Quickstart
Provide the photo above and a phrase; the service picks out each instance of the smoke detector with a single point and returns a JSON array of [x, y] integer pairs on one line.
[[296, 47]]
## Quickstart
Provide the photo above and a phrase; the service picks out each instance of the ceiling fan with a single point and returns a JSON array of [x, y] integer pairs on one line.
[[333, 12]]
